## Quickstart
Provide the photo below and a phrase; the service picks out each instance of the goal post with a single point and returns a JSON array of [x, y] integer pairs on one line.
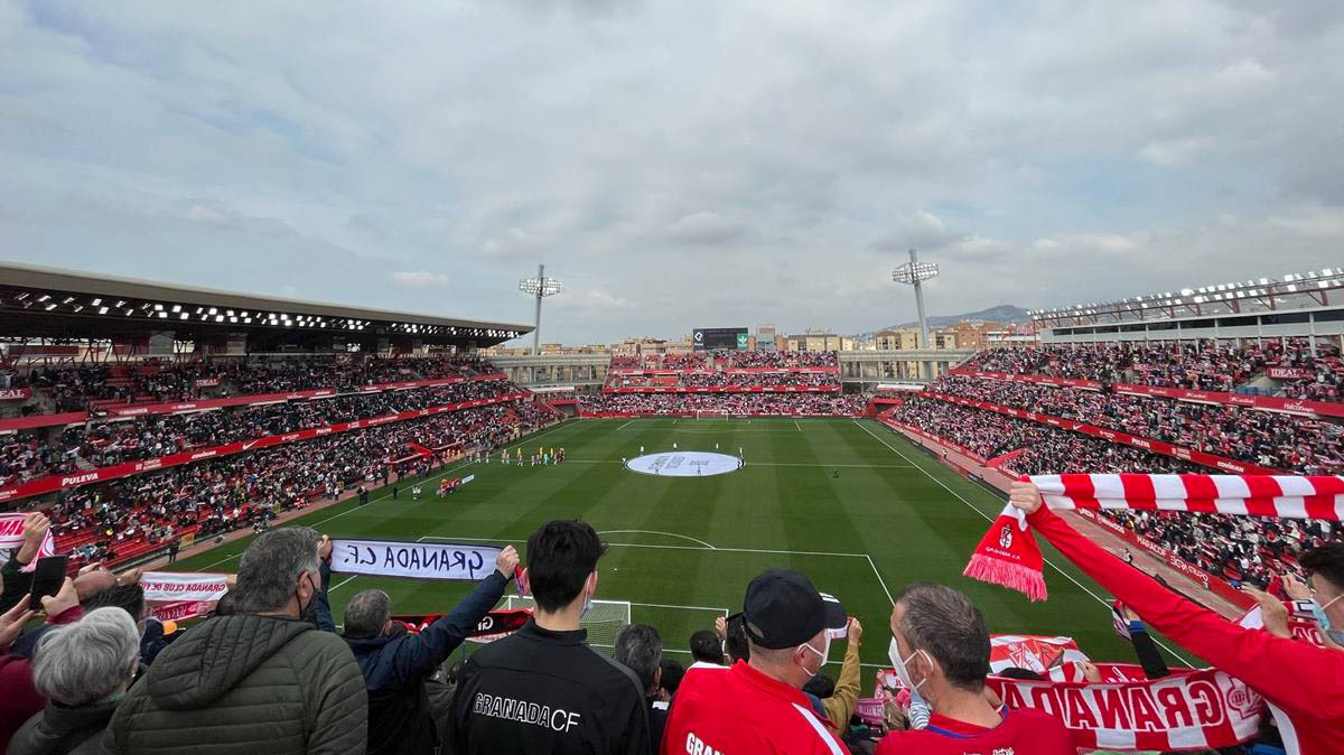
[[604, 619]]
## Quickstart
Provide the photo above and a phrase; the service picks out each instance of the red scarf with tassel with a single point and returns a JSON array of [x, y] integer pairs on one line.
[[1009, 556]]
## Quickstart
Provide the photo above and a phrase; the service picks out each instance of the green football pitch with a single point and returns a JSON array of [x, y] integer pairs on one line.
[[853, 505]]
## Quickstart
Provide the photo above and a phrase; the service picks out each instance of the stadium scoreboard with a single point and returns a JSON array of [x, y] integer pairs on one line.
[[713, 339]]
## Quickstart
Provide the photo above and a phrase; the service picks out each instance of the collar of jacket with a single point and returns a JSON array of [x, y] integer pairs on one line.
[[575, 637]]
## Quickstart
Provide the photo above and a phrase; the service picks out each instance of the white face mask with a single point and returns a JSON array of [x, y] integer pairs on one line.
[[824, 653], [902, 673]]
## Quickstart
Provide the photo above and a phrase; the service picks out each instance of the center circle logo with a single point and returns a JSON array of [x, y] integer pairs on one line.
[[684, 464]]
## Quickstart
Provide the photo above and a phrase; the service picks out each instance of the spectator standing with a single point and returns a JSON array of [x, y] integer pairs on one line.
[[542, 689], [81, 669], [1302, 681], [640, 649], [262, 679], [397, 665], [706, 649], [940, 649], [758, 706]]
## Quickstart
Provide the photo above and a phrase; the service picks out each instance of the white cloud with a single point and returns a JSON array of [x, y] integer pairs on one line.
[[421, 279], [680, 163]]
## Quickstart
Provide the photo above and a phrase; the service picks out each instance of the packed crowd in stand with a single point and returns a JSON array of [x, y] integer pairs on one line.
[[112, 442], [735, 404], [726, 360], [96, 672], [1270, 439], [1240, 549], [237, 491], [725, 379], [1202, 366], [77, 388]]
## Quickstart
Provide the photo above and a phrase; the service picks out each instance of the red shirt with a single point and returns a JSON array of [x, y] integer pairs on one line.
[[1305, 683], [740, 711], [1022, 732]]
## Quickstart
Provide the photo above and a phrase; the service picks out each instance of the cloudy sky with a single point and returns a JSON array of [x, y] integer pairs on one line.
[[676, 163]]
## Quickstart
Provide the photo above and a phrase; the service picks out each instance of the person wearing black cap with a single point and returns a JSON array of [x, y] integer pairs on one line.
[[758, 706], [543, 689]]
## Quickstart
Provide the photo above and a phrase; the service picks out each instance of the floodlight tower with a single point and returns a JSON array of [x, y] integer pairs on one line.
[[913, 273], [539, 287]]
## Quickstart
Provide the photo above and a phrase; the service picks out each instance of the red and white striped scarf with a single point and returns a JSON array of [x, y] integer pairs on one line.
[[1009, 556]]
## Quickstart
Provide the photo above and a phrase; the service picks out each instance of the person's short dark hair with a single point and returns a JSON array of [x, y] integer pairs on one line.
[[943, 623], [736, 645], [672, 674], [640, 649], [706, 648], [560, 556], [129, 598], [1327, 561], [820, 686], [1017, 672]]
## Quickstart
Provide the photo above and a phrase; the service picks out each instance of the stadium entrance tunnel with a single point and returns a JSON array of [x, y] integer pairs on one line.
[[684, 464]]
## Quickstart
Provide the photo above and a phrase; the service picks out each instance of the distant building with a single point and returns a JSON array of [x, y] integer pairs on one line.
[[816, 341], [898, 339]]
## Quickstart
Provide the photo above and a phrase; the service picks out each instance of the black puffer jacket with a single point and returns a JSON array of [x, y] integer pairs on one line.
[[247, 685]]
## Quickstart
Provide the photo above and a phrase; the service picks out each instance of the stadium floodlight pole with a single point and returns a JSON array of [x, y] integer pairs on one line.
[[539, 287], [913, 273]]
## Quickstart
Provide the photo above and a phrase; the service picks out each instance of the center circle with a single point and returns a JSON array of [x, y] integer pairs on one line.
[[684, 464]]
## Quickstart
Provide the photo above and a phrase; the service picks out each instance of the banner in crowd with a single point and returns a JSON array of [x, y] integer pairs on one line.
[[1198, 710], [181, 587], [52, 483], [1155, 446], [1301, 623], [1034, 652], [181, 610], [11, 537], [1290, 373], [15, 394], [493, 626], [385, 558]]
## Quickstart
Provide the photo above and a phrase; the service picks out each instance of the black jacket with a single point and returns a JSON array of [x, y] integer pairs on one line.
[[539, 691], [395, 669], [59, 730]]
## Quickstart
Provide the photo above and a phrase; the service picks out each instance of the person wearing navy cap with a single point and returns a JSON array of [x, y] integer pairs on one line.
[[758, 706]]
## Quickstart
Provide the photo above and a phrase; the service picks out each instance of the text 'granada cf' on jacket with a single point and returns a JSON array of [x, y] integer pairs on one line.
[[247, 685]]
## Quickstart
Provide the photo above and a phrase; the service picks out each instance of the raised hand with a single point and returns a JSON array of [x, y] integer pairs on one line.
[[507, 561]]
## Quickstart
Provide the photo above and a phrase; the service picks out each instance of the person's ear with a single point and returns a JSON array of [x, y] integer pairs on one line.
[[592, 583]]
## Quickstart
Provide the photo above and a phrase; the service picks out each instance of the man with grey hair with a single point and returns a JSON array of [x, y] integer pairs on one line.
[[82, 669], [263, 678], [940, 649], [397, 665], [640, 649]]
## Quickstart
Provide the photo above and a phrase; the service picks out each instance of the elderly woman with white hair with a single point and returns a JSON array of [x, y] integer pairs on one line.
[[83, 669]]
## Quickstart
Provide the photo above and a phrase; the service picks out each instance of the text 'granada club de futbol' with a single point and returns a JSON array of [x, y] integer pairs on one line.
[[936, 378]]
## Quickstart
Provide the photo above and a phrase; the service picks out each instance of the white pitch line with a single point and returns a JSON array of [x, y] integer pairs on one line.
[[657, 532], [687, 652], [795, 424], [770, 464], [988, 518], [715, 609], [627, 424], [342, 583], [718, 549], [883, 582]]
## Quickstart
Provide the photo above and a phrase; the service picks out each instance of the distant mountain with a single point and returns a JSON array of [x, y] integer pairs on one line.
[[1001, 313]]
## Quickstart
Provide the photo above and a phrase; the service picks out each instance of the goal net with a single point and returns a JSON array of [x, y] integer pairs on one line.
[[604, 620]]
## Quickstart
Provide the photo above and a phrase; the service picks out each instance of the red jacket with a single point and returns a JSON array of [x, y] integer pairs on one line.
[[19, 700], [1022, 732], [740, 711], [1305, 682]]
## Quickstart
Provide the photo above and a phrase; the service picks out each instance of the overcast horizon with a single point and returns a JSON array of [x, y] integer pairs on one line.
[[676, 164]]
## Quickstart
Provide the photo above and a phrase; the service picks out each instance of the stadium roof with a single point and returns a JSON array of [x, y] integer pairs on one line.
[[1292, 291], [43, 302]]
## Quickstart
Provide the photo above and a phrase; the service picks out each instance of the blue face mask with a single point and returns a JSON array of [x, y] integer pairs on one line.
[[1323, 619]]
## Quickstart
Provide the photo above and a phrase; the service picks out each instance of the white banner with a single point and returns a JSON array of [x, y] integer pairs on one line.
[[416, 560], [11, 538], [183, 587]]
